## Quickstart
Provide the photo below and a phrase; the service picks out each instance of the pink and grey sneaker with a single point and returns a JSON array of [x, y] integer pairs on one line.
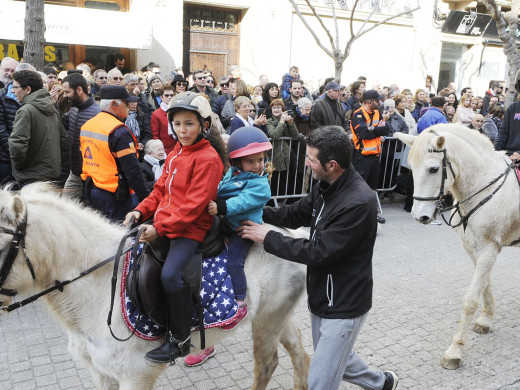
[[242, 313], [196, 359]]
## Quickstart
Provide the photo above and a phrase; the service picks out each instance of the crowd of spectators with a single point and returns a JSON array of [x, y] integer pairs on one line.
[[288, 109]]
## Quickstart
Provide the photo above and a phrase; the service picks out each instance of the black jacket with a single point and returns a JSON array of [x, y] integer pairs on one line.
[[8, 109], [508, 137], [342, 218], [72, 121], [327, 111], [218, 104]]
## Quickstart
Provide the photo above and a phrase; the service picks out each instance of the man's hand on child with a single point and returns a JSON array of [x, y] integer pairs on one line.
[[212, 208], [253, 231]]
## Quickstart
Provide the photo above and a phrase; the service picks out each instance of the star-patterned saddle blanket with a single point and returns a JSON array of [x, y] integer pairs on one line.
[[217, 298]]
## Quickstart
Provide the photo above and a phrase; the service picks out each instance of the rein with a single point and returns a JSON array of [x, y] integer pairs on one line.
[[18, 243], [441, 204]]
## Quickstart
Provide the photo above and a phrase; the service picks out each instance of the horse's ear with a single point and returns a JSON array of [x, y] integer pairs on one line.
[[18, 208], [440, 142], [408, 139]]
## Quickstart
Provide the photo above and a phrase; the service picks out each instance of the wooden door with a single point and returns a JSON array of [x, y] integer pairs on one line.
[[211, 39]]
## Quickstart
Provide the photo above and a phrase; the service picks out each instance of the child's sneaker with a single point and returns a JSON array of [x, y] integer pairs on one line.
[[196, 359], [242, 313]]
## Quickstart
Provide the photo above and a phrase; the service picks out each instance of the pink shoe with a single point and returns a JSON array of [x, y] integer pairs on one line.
[[196, 359], [242, 313]]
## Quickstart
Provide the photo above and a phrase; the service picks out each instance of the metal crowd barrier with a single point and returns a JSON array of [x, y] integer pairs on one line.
[[296, 182]]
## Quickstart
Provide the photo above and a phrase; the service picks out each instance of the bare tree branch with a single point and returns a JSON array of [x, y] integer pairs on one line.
[[336, 47], [352, 36], [386, 20], [320, 20], [329, 53]]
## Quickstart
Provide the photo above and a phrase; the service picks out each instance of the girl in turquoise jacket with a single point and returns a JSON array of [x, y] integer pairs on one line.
[[242, 195]]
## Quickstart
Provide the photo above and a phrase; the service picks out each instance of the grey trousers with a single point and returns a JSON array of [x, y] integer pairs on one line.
[[334, 358]]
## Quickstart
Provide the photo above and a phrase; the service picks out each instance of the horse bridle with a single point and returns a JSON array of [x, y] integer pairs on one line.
[[17, 244], [440, 200], [441, 203]]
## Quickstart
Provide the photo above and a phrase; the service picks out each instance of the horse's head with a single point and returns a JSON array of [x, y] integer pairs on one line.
[[13, 212], [433, 173]]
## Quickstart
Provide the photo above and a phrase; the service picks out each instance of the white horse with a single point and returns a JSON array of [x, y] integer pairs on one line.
[[63, 239], [470, 164]]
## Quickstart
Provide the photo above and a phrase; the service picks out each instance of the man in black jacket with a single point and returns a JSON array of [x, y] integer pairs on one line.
[[328, 110], [84, 107], [341, 212]]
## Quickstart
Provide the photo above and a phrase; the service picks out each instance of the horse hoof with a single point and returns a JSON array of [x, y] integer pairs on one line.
[[481, 329], [450, 364]]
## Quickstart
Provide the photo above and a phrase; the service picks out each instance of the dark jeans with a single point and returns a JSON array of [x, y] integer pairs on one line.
[[368, 168], [238, 248], [105, 202], [6, 173], [180, 253]]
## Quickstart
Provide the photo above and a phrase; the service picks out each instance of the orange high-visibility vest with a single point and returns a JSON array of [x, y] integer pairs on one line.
[[99, 162], [367, 146]]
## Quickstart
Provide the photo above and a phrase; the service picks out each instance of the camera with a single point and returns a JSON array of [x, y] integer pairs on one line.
[[387, 108], [290, 112], [261, 111]]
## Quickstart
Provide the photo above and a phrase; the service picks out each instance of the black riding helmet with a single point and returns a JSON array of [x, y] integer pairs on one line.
[[194, 102]]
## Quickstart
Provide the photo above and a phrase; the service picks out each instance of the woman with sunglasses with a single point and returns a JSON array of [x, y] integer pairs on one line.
[[159, 124], [179, 84]]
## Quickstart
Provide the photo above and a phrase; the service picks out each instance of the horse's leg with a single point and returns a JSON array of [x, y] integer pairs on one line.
[[483, 323], [266, 336], [484, 265], [292, 342]]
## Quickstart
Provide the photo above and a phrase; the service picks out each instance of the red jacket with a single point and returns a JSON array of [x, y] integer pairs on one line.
[[159, 127], [180, 197]]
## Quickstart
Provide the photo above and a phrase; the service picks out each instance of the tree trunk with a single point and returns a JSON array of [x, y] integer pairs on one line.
[[339, 69], [33, 51]]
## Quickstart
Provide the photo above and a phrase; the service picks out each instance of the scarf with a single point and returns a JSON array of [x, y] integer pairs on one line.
[[132, 124], [305, 118], [156, 166], [248, 122]]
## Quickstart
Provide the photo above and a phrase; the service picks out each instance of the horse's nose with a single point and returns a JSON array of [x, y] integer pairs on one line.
[[424, 219]]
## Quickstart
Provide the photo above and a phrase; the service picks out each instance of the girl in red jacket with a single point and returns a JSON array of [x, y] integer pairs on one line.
[[178, 204]]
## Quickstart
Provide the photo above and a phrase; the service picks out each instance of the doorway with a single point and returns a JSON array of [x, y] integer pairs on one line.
[[211, 39]]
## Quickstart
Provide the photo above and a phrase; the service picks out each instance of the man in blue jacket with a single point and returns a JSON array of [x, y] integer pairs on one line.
[[341, 212], [434, 114]]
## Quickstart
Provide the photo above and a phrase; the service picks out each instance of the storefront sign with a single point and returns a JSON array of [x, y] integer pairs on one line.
[[466, 23], [80, 26]]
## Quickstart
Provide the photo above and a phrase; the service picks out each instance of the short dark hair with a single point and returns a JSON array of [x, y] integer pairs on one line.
[[197, 71], [76, 80], [50, 69], [355, 86], [332, 143], [166, 87], [119, 57], [28, 78], [438, 101], [297, 81]]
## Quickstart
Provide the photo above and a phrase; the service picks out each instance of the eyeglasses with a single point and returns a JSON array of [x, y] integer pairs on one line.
[[181, 84], [224, 85], [103, 78], [168, 94], [344, 94], [117, 78], [211, 81], [201, 78]]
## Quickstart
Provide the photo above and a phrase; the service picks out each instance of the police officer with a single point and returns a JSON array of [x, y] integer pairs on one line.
[[110, 166], [367, 129]]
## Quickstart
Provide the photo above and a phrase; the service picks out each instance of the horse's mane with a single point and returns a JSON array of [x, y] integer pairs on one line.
[[458, 138]]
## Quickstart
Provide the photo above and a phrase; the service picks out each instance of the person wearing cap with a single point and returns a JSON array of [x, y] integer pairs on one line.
[[179, 84], [155, 83], [109, 150], [367, 130], [329, 111], [38, 141], [178, 205]]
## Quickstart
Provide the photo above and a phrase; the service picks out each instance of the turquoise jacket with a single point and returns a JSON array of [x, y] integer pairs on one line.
[[245, 194]]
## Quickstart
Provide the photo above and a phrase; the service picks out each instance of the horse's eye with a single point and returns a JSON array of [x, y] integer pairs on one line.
[[433, 169]]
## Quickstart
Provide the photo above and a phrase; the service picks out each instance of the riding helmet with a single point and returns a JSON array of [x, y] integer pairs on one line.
[[247, 140], [194, 102]]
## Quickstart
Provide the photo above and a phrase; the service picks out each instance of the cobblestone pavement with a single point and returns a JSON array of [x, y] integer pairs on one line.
[[420, 276]]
